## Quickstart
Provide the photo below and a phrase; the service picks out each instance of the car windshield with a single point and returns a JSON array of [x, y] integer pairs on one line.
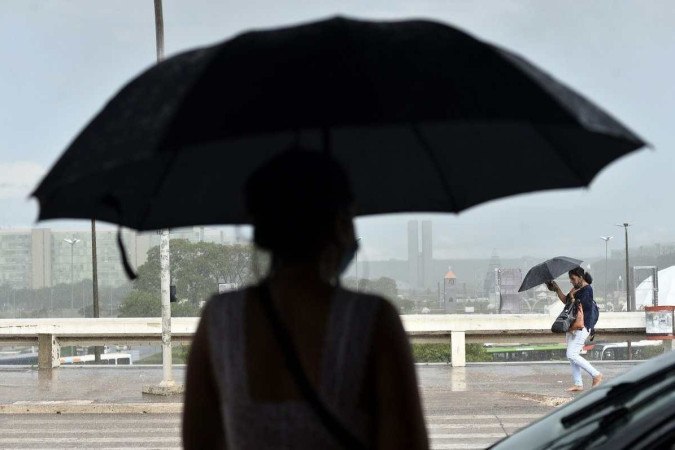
[[602, 426], [620, 393], [596, 415]]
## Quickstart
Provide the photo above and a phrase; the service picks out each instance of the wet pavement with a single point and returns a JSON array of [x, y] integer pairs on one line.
[[502, 388], [74, 383], [465, 408], [475, 388]]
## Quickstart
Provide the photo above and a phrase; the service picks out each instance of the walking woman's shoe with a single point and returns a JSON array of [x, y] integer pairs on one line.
[[597, 380], [575, 388]]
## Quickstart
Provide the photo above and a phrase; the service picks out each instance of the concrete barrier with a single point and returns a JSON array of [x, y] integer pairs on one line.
[[50, 334]]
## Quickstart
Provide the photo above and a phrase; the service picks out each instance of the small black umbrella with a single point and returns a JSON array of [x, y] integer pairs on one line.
[[548, 271], [424, 117]]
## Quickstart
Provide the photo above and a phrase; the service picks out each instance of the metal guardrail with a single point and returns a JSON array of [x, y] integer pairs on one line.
[[51, 334]]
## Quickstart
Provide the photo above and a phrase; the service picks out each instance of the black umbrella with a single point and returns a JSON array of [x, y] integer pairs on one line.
[[424, 117], [548, 271]]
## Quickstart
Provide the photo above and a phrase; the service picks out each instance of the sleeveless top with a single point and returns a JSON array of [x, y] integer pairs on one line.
[[293, 424]]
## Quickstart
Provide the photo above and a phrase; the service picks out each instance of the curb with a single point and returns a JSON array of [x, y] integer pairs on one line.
[[78, 407]]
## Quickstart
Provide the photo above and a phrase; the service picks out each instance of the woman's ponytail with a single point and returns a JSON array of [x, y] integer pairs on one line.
[[588, 278]]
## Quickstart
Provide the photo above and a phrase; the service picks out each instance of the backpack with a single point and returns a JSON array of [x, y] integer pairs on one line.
[[595, 315]]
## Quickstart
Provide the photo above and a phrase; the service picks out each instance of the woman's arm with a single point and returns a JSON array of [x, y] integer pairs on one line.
[[553, 286], [202, 419], [400, 421]]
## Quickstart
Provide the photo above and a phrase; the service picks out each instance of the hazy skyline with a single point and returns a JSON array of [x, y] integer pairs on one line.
[[65, 59]]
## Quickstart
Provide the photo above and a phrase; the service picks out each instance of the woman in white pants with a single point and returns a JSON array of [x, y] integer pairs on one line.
[[583, 292]]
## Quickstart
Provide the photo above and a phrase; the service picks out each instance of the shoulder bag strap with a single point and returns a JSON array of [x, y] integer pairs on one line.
[[302, 383]]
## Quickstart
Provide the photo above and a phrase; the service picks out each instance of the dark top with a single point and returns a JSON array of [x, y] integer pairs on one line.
[[585, 297]]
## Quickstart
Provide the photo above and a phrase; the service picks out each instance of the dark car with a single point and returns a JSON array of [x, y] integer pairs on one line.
[[633, 411]]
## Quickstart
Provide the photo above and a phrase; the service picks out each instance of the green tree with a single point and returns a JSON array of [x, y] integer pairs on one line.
[[146, 304], [405, 306], [141, 304], [185, 309], [197, 268], [384, 286]]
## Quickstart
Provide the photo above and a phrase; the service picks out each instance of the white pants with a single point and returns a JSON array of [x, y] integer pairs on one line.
[[575, 343]]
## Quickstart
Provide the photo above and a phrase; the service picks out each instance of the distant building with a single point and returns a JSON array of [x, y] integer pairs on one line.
[[450, 293], [202, 234], [509, 281], [40, 257], [427, 275], [413, 253], [491, 284], [420, 263], [15, 257]]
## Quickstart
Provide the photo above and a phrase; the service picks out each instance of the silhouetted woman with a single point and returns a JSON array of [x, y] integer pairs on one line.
[[583, 292], [245, 386]]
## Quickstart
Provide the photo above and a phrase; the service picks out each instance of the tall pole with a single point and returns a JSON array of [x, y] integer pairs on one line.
[[606, 239], [72, 280], [167, 386], [629, 303], [94, 278], [94, 266], [72, 243], [164, 242], [165, 282], [159, 30], [356, 264]]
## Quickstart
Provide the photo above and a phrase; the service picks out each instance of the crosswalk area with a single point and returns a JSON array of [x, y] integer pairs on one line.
[[94, 431], [476, 431], [162, 431]]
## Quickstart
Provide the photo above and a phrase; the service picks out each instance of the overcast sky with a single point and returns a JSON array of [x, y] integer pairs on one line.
[[63, 59]]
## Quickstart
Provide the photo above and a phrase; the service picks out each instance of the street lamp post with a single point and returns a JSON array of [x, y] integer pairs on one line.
[[167, 386], [94, 269], [72, 243], [606, 239], [356, 263], [94, 279], [629, 303]]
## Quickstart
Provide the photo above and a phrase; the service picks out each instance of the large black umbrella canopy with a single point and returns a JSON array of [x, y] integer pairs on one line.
[[424, 116], [548, 271]]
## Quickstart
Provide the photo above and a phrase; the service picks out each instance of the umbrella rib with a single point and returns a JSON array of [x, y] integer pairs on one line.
[[437, 166], [565, 160]]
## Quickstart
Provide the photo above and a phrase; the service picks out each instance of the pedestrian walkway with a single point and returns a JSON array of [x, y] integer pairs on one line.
[[473, 431], [442, 385], [162, 431], [105, 431]]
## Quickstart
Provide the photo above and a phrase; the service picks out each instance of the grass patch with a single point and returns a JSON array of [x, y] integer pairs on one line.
[[179, 355], [422, 353], [441, 353]]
